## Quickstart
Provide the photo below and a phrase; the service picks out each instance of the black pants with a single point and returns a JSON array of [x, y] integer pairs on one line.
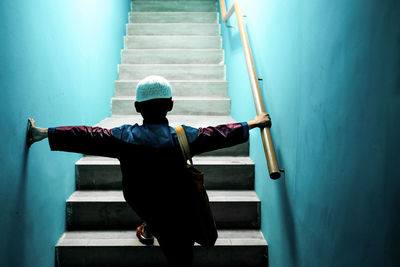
[[178, 250], [168, 212]]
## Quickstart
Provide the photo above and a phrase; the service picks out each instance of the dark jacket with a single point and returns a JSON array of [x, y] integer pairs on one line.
[[151, 163]]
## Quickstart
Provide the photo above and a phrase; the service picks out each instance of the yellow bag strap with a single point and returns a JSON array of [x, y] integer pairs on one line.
[[184, 144]]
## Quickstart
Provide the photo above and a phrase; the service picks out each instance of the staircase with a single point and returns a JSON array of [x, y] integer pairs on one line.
[[181, 41]]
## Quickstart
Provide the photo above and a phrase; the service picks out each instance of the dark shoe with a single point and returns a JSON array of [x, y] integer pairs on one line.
[[148, 238]]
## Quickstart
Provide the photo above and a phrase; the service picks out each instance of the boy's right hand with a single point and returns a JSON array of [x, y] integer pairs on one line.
[[261, 121]]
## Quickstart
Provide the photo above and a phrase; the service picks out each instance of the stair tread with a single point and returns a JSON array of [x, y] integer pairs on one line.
[[173, 28], [172, 49], [172, 12], [174, 120], [223, 172], [170, 41], [173, 23], [173, 17], [174, 1], [182, 81], [128, 238], [215, 71], [199, 160], [173, 65], [171, 6], [174, 35], [132, 98], [117, 196], [179, 1]]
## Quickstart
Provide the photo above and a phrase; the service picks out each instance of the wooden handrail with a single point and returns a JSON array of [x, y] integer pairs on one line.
[[273, 168]]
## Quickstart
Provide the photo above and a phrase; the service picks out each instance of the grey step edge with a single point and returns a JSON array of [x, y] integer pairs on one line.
[[201, 29], [217, 88], [108, 210], [172, 71], [234, 248], [182, 106], [173, 17], [229, 173], [176, 6], [172, 56], [173, 41]]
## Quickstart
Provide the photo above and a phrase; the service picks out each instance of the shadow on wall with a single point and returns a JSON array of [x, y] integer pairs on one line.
[[286, 216], [279, 199], [20, 202]]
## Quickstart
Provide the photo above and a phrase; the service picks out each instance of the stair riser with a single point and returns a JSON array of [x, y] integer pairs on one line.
[[217, 177], [173, 42], [172, 56], [118, 215], [181, 107], [173, 17], [174, 6], [172, 72], [212, 89], [173, 29], [151, 256]]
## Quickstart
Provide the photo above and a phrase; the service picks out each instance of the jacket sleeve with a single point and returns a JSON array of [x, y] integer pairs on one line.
[[86, 140], [221, 136]]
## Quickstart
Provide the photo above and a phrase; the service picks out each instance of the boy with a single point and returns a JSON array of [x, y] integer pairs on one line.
[[153, 180]]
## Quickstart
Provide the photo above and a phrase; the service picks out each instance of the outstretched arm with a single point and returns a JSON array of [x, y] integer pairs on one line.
[[222, 136], [80, 139]]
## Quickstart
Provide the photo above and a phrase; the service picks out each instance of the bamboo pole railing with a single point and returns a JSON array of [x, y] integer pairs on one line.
[[270, 155]]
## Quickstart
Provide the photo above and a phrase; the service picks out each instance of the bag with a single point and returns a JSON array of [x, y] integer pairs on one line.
[[205, 230]]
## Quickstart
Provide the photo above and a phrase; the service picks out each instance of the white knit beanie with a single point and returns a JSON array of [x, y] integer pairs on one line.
[[153, 87]]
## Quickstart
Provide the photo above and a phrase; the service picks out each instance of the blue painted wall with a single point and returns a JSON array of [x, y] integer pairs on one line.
[[58, 63], [331, 82]]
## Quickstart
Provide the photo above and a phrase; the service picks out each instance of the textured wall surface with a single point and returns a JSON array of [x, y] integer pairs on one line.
[[58, 63], [331, 82]]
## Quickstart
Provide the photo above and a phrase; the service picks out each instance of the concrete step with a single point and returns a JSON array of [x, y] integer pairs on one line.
[[172, 29], [172, 56], [173, 41], [221, 173], [174, 6], [182, 105], [179, 88], [176, 120], [234, 248], [172, 71], [108, 210], [173, 17]]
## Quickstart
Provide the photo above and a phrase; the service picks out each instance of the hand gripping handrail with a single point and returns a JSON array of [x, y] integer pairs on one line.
[[273, 168]]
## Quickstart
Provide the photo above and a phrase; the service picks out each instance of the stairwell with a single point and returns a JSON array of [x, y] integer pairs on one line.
[[181, 41]]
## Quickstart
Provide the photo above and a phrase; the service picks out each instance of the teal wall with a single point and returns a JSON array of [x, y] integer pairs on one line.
[[331, 82], [58, 63]]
